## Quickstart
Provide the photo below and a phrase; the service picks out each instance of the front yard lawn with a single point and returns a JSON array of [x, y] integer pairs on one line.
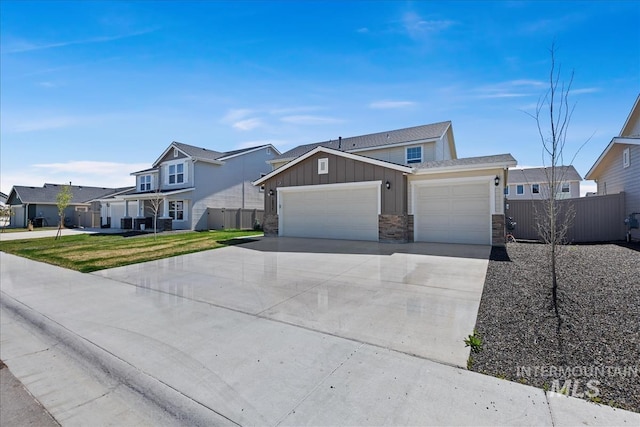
[[593, 353], [91, 252]]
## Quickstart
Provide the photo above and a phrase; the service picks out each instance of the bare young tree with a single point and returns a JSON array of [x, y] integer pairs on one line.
[[62, 201], [5, 216], [155, 206], [555, 216]]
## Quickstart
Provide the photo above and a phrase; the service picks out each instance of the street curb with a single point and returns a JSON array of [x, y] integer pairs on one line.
[[179, 406]]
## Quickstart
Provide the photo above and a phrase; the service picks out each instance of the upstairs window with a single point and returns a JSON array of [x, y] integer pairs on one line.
[[506, 190], [414, 155], [566, 188], [176, 173], [535, 188], [519, 189], [145, 183]]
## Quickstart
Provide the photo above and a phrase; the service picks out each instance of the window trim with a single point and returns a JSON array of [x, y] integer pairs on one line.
[[519, 186], [173, 210], [626, 158], [406, 154], [175, 165], [143, 185], [535, 188], [323, 166]]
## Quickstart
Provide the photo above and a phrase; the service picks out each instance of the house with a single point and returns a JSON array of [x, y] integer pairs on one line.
[[618, 167], [533, 183], [3, 198], [396, 186], [184, 182], [39, 205]]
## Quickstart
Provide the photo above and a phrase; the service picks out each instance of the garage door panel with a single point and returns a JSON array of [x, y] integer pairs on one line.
[[333, 213], [453, 213]]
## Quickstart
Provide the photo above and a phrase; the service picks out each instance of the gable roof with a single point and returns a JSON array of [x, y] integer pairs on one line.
[[380, 139], [3, 197], [48, 192], [466, 163], [328, 150], [207, 155], [634, 115], [624, 141], [539, 175]]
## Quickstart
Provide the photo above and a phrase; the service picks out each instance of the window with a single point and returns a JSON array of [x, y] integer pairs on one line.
[[176, 173], [145, 183], [625, 158], [535, 188], [519, 189], [323, 166], [176, 210], [506, 190], [414, 155], [566, 188]]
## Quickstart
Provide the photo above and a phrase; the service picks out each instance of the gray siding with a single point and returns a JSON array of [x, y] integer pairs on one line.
[[228, 186], [574, 187], [169, 156], [597, 219], [341, 170], [616, 179], [398, 155]]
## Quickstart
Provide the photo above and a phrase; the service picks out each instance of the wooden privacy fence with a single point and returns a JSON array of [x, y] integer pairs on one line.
[[597, 218], [218, 219], [87, 219]]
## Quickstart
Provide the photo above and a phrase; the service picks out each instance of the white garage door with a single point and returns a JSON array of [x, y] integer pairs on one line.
[[452, 213], [335, 211]]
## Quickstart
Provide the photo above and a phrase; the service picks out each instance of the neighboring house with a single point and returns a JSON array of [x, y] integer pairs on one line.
[[38, 204], [184, 182], [3, 199], [618, 167], [397, 186], [533, 183]]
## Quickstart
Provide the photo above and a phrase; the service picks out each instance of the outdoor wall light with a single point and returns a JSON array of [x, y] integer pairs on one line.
[[271, 192], [496, 181], [388, 185]]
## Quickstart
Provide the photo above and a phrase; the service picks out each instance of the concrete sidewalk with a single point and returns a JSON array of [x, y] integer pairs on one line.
[[38, 234], [140, 356]]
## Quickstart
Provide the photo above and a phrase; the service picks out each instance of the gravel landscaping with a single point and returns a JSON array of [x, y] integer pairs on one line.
[[596, 344]]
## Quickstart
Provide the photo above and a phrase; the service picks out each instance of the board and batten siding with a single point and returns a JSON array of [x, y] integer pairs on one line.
[[340, 170]]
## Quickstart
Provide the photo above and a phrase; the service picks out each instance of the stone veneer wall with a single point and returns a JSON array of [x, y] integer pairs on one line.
[[498, 230], [410, 228], [270, 225], [393, 228]]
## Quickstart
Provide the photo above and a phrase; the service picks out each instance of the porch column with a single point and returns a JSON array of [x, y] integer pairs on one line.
[[126, 208], [165, 207]]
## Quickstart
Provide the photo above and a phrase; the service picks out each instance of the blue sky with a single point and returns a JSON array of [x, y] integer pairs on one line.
[[91, 91]]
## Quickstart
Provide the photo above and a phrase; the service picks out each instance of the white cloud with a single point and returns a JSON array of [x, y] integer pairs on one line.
[[247, 124], [310, 120], [588, 187], [236, 114], [584, 90], [47, 85], [415, 25], [32, 125], [362, 30], [391, 104], [82, 172]]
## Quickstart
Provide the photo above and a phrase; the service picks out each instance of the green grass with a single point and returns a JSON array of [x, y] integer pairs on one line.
[[90, 252]]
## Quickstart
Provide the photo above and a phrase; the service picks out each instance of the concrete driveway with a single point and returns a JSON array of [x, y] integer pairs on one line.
[[418, 298]]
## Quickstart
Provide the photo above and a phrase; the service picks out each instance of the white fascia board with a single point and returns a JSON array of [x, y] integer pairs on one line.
[[463, 168], [616, 140], [251, 151], [145, 172], [397, 144], [152, 195], [337, 153], [626, 122]]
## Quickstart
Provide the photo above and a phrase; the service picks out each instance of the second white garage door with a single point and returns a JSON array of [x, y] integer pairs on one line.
[[338, 211], [452, 213]]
